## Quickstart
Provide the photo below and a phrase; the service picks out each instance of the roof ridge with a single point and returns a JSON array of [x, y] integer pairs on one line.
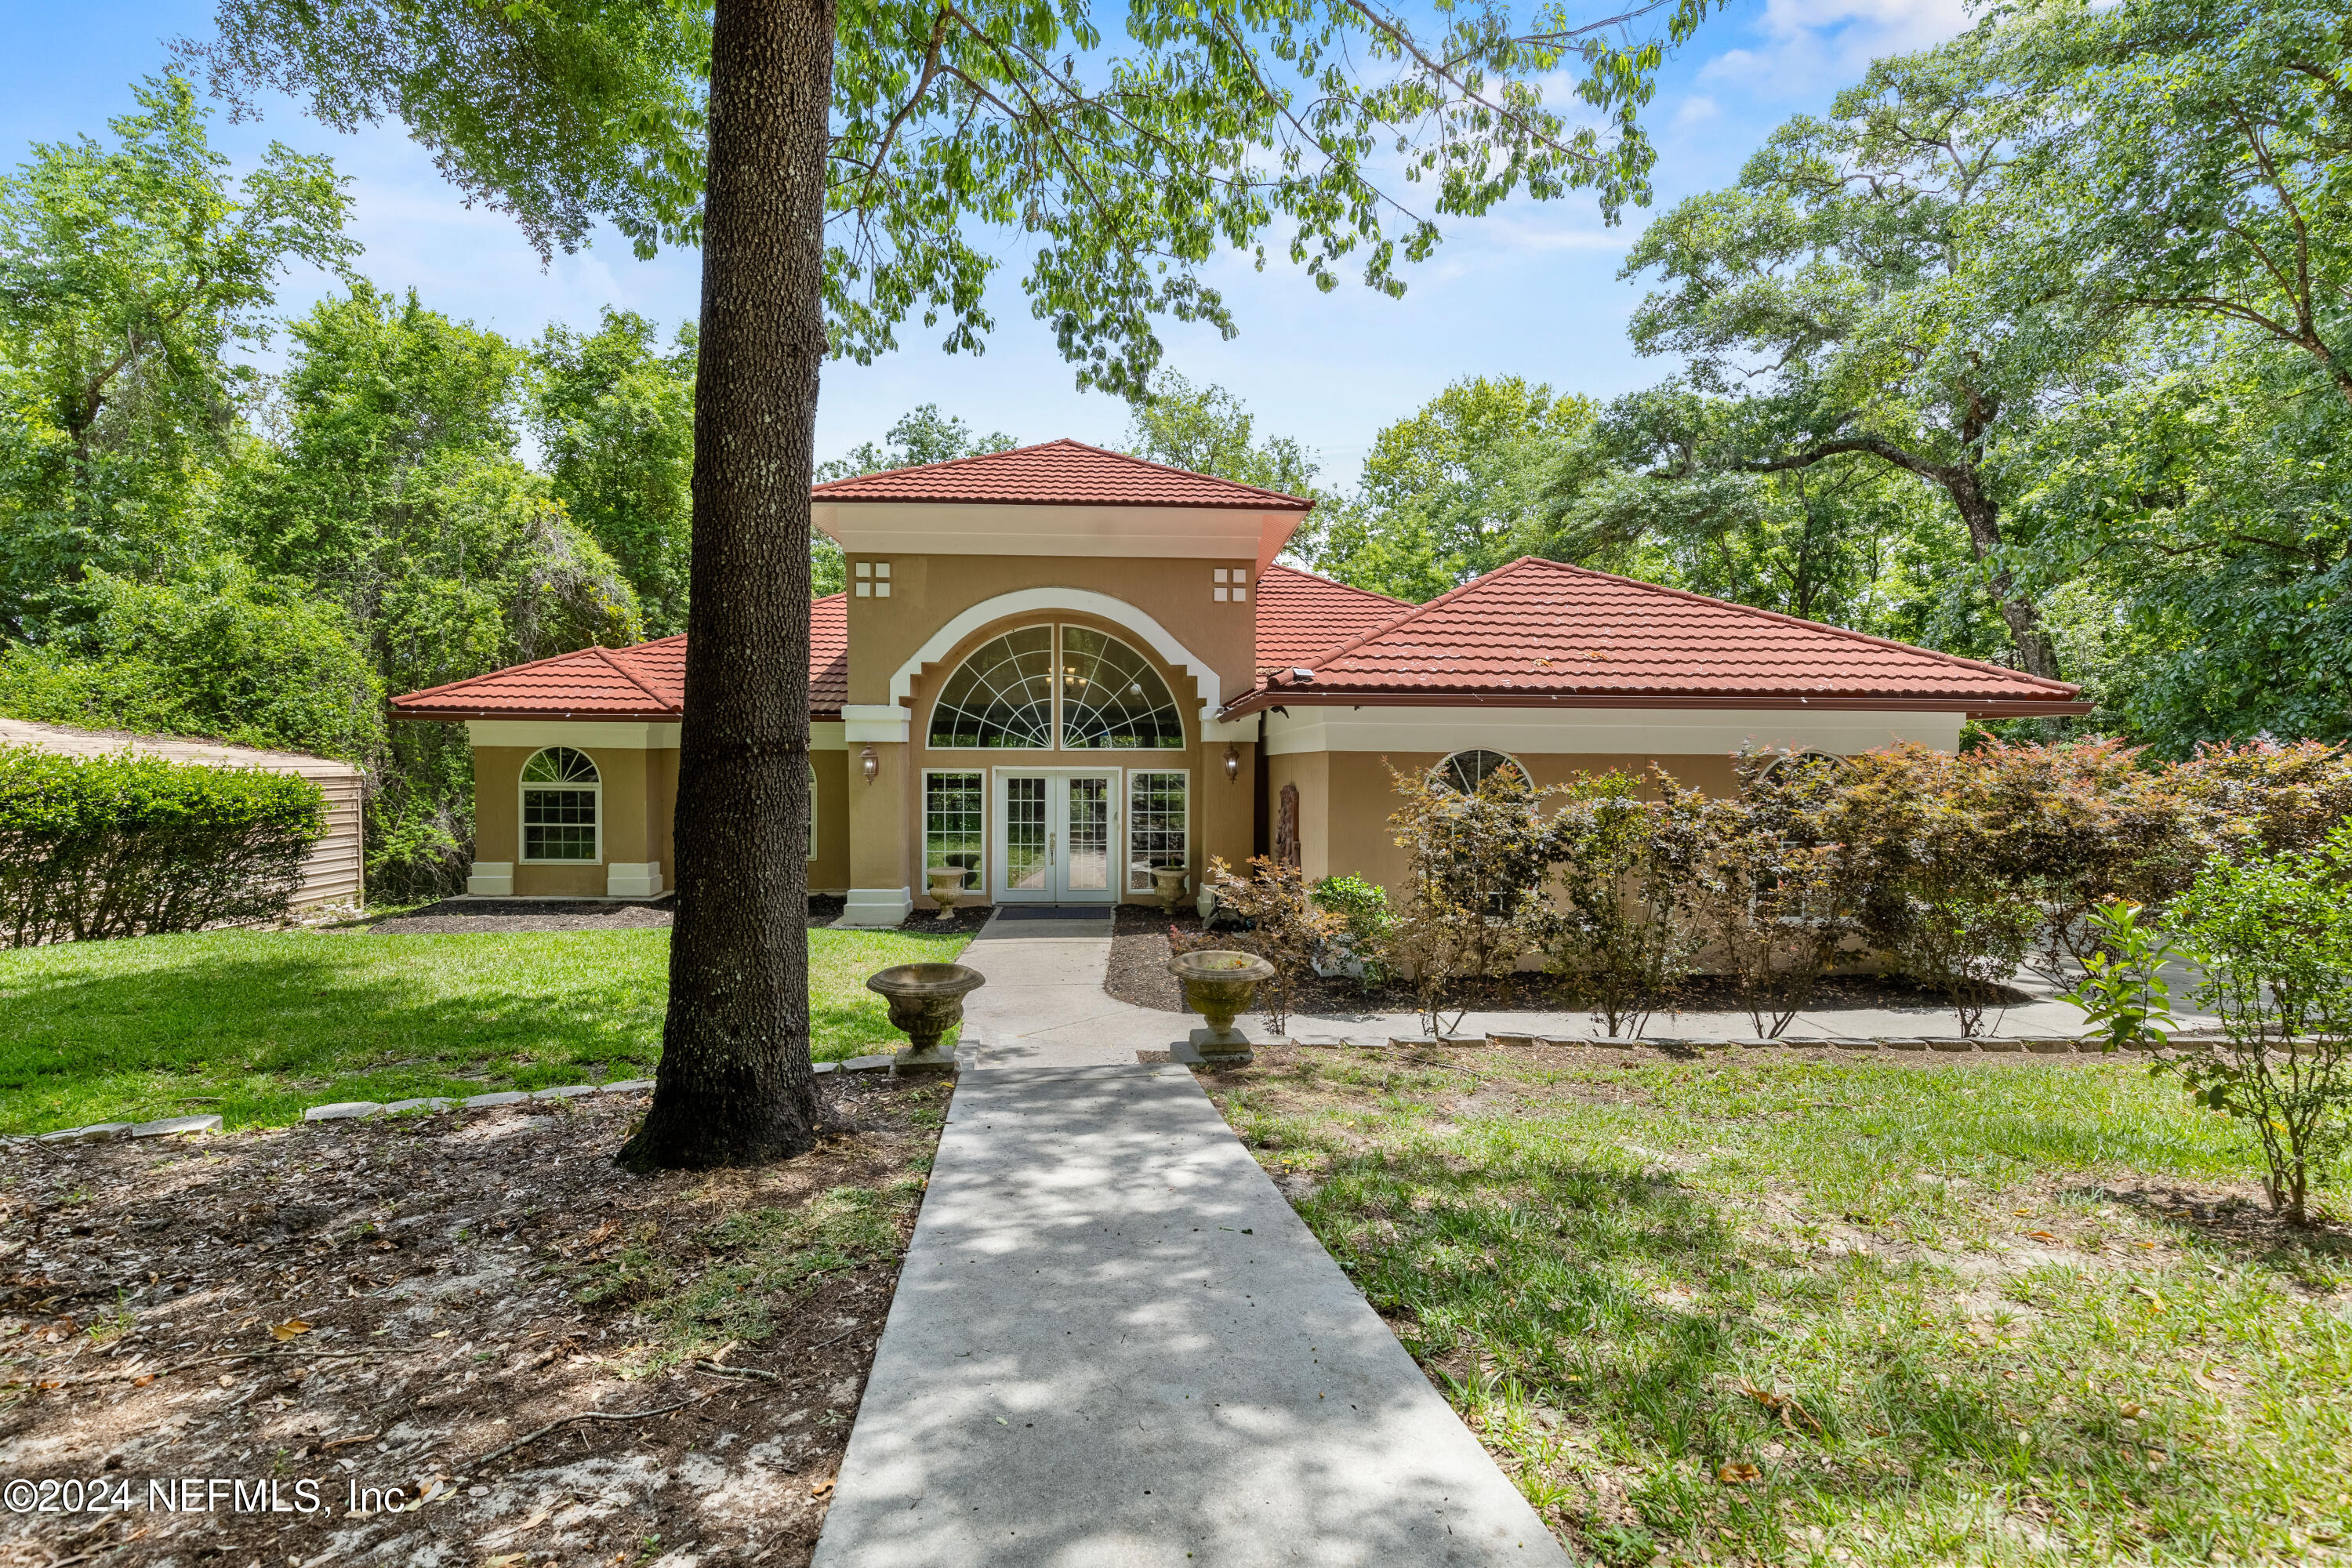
[[625, 673], [1758, 610], [831, 486]]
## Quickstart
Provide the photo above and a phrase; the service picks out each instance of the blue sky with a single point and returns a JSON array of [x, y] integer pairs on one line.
[[1531, 289]]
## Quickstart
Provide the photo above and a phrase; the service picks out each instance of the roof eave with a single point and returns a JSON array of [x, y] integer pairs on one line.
[[1266, 697]]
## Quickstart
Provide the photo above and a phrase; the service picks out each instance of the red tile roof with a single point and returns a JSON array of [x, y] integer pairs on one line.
[[1058, 473], [1300, 614], [1537, 632], [646, 681]]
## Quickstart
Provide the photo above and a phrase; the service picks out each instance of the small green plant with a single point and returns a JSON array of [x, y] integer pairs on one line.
[[1477, 872], [2126, 998], [1622, 937], [1286, 927], [1362, 910]]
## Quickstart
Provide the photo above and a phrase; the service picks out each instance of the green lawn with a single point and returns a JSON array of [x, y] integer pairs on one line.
[[1822, 1314], [258, 1026]]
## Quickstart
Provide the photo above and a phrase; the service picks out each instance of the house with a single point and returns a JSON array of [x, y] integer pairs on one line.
[[333, 874], [1057, 667]]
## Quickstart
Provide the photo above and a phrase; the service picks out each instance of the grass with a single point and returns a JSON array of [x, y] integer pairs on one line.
[[257, 1025], [1827, 1314]]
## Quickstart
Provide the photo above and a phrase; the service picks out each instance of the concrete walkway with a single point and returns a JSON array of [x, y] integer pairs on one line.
[[1114, 1344], [1045, 1005]]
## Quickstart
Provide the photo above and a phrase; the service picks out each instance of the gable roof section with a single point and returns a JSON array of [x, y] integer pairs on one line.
[[1300, 614], [643, 682], [1539, 633], [1057, 473]]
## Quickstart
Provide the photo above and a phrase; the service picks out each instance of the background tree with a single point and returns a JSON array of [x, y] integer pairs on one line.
[[127, 276], [1452, 492], [613, 412], [2188, 161], [1208, 430], [923, 435], [849, 157], [1838, 291]]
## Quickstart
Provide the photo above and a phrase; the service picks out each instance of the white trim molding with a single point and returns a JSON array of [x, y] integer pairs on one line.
[[632, 880], [584, 733], [1050, 601], [1615, 731], [491, 880], [874, 723], [876, 907]]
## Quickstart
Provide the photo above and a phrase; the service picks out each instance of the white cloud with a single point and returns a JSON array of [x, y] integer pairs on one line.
[[1805, 43]]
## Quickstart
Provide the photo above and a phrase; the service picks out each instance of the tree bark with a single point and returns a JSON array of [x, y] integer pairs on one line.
[[735, 1086]]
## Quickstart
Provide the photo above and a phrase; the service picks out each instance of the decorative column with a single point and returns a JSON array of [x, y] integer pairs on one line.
[[881, 890]]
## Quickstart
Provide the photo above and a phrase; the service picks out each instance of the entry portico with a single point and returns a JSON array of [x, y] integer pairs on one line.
[[1059, 669]]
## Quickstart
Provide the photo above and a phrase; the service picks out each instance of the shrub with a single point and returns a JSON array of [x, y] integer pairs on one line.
[[1622, 934], [1478, 868], [1286, 929], [129, 844], [2274, 937], [1774, 902]]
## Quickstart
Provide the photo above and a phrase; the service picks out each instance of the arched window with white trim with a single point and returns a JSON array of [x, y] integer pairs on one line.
[[1001, 698], [1463, 772], [1112, 700], [562, 796]]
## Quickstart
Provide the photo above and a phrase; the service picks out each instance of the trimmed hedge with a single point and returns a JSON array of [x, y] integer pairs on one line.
[[127, 845]]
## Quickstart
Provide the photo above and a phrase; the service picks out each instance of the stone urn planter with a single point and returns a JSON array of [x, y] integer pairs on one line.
[[947, 888], [1218, 983], [926, 1001], [1168, 881]]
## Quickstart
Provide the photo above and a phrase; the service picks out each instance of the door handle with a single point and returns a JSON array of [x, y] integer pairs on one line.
[[1049, 848]]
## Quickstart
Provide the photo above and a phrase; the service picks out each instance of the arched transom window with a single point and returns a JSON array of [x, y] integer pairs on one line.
[[1002, 696], [1465, 770], [1022, 689], [1112, 698], [560, 791]]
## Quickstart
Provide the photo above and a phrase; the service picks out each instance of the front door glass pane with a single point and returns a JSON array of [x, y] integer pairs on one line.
[[1025, 867], [1089, 857]]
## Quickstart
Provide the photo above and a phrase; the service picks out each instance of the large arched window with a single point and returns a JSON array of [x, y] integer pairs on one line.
[[1465, 770], [560, 791], [1025, 688], [1001, 697], [1112, 698]]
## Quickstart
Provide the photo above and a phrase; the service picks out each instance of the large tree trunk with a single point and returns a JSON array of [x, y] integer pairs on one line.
[[735, 1085], [2036, 654]]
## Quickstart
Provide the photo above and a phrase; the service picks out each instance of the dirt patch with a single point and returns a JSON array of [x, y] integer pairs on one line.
[[326, 1312], [1139, 974]]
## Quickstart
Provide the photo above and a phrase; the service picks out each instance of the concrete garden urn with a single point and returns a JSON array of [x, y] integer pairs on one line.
[[1168, 881], [926, 1001], [1218, 983], [947, 888]]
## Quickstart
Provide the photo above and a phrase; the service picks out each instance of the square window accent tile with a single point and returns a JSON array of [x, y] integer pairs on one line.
[[865, 589], [1221, 574], [1219, 593], [865, 569], [881, 590], [881, 569]]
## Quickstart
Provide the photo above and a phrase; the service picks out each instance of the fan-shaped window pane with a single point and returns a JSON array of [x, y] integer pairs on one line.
[[560, 764], [1465, 770], [1002, 696], [1112, 700]]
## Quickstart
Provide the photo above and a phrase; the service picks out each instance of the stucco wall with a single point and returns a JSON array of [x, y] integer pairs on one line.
[[1345, 799]]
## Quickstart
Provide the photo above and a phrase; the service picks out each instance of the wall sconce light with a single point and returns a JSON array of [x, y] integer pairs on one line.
[[1233, 761], [869, 764]]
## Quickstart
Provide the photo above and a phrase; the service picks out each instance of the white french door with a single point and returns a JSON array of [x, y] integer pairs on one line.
[[1057, 837]]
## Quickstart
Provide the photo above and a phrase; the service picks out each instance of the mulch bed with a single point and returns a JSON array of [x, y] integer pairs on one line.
[[389, 1304], [1139, 974]]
